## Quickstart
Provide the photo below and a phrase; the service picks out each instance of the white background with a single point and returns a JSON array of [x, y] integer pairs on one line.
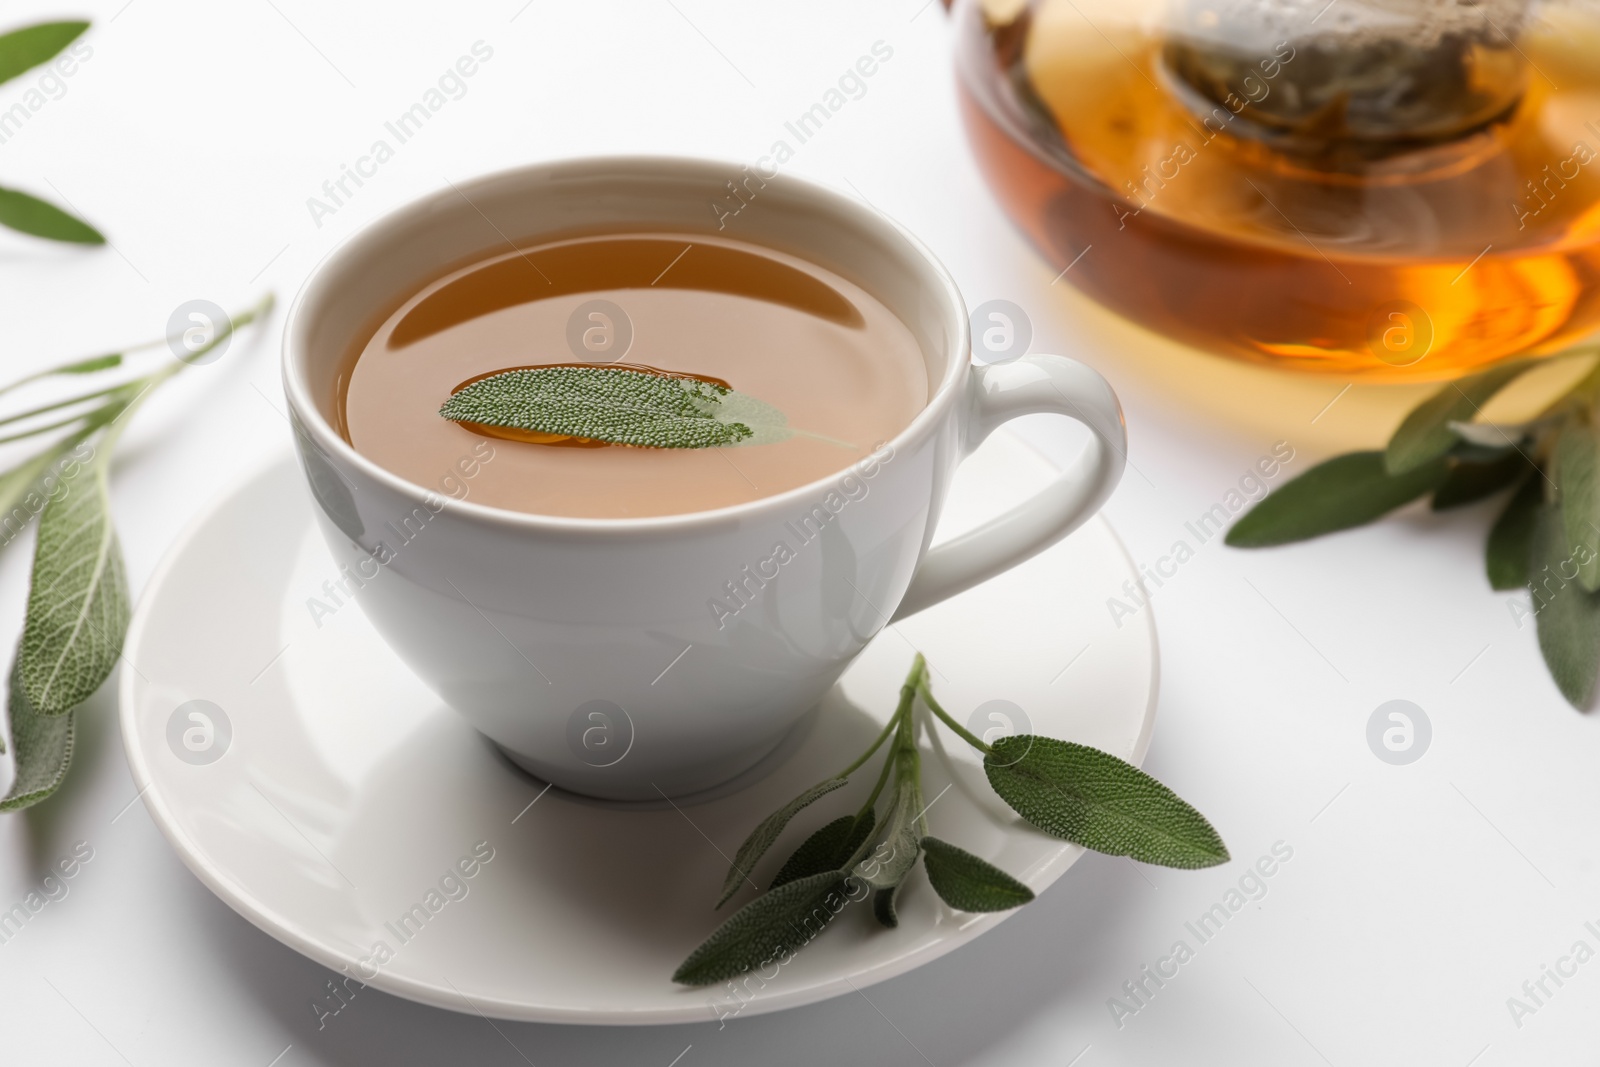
[[1418, 899]]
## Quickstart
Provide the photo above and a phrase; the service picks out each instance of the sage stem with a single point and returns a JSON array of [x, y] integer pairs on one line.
[[961, 731]]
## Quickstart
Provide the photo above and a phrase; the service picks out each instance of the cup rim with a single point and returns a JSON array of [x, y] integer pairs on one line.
[[855, 212]]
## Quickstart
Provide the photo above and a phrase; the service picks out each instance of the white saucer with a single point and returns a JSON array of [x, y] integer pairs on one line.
[[340, 791]]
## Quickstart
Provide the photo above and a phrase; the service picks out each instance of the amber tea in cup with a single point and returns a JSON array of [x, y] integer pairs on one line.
[[844, 372]]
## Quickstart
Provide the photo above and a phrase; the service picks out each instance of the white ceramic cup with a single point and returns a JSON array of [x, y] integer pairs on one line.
[[553, 635]]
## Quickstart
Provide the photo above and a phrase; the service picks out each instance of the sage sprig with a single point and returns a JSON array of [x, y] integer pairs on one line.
[[1068, 790], [78, 601], [618, 404], [1547, 536], [21, 51]]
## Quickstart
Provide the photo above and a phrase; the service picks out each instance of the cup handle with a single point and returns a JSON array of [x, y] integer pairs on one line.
[[1000, 393]]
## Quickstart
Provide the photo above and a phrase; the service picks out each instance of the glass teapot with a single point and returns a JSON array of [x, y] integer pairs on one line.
[[1391, 189]]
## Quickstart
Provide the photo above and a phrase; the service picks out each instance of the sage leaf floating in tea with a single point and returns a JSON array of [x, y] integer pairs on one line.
[[616, 404]]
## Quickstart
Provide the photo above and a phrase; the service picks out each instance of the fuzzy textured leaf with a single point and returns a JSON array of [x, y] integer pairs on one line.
[[888, 864], [44, 746], [886, 906], [1425, 435], [1567, 616], [78, 602], [1511, 538], [775, 925], [1100, 802], [28, 214], [26, 477], [22, 50], [1577, 473], [968, 883], [1338, 494], [829, 849], [1470, 482], [617, 405], [762, 837]]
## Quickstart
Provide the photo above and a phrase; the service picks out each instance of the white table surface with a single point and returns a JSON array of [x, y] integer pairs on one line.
[[1418, 898]]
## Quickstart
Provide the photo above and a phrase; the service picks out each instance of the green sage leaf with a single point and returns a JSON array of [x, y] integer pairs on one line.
[[770, 928], [888, 864], [1337, 494], [1567, 616], [1577, 474], [829, 849], [81, 366], [1100, 802], [1425, 435], [762, 837], [27, 477], [618, 405], [1469, 482], [22, 50], [92, 365], [39, 218], [78, 603], [44, 746], [968, 883], [1511, 538], [886, 906]]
